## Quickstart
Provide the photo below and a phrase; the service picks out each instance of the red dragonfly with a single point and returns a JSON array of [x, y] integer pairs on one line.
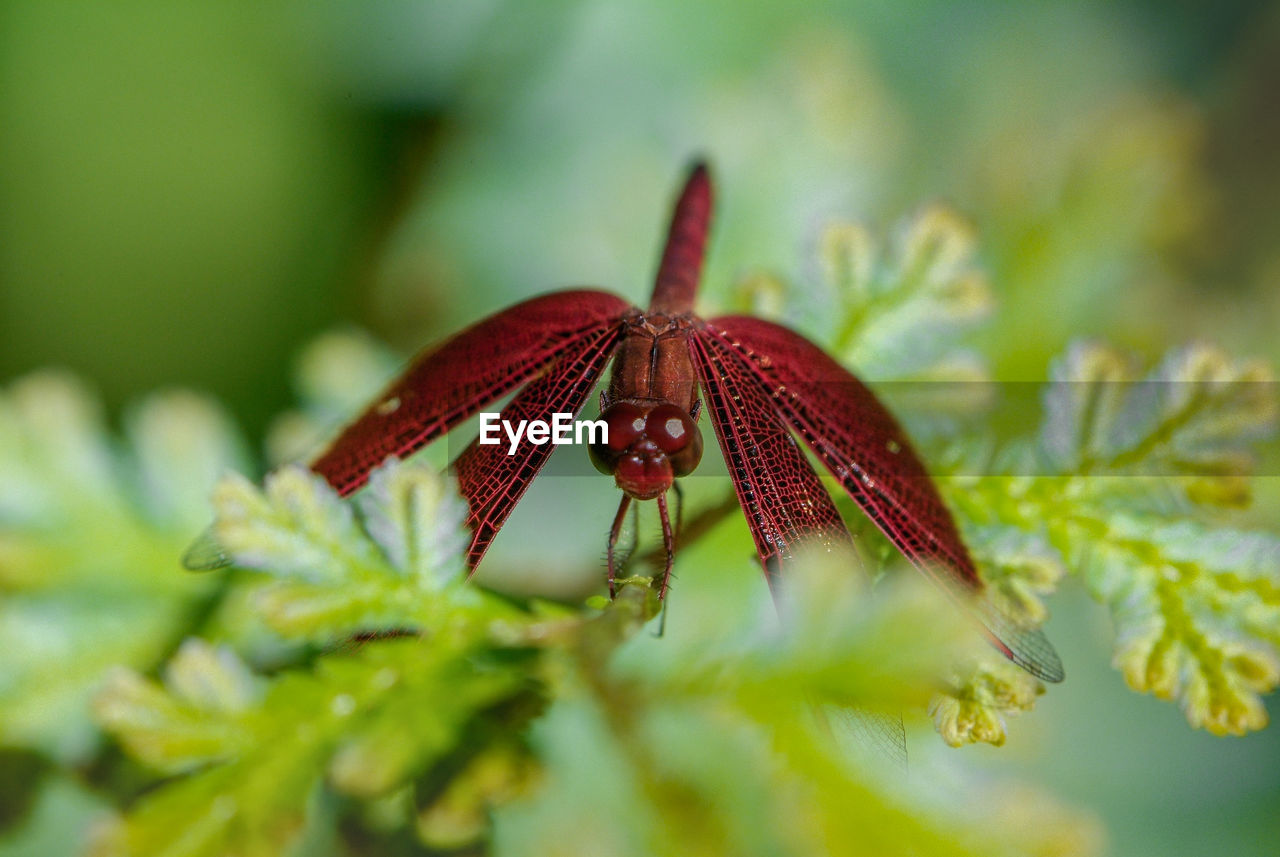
[[761, 383]]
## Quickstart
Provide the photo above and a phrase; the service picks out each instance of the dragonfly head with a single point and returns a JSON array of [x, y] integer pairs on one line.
[[648, 445]]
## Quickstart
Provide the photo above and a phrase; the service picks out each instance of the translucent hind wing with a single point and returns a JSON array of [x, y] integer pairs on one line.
[[205, 554], [865, 449]]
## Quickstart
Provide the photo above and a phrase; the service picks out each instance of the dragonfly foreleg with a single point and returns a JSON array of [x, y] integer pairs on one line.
[[614, 532], [668, 545], [679, 507]]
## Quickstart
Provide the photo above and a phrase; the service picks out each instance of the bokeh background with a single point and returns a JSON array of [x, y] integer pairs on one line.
[[190, 192]]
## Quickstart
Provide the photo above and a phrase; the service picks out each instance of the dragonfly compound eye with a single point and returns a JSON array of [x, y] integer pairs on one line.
[[673, 431], [670, 428], [625, 423]]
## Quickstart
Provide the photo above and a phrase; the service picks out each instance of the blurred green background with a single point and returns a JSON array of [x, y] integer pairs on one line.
[[189, 192]]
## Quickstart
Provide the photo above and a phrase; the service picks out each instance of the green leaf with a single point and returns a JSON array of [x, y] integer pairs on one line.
[[365, 722], [182, 443], [981, 694], [1194, 605], [901, 315], [338, 573], [1197, 615], [1194, 415], [1083, 406], [662, 754], [1018, 568], [90, 532], [194, 719], [295, 526], [417, 520]]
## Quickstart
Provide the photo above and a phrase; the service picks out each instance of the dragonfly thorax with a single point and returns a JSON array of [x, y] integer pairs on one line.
[[649, 444]]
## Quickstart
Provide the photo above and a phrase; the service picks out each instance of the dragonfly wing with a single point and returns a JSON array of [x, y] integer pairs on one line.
[[205, 554], [451, 381], [491, 479], [883, 734], [784, 501], [860, 442]]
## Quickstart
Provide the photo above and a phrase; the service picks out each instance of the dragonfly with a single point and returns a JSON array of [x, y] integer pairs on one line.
[[763, 386]]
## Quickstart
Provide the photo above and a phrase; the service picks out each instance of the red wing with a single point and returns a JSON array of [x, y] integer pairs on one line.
[[493, 481], [782, 497], [451, 381], [864, 448]]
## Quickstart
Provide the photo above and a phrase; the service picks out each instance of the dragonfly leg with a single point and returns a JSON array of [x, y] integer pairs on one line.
[[635, 532], [357, 641], [668, 545], [679, 507], [614, 532]]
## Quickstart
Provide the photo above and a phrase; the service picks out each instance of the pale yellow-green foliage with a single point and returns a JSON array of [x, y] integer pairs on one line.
[[352, 672], [1131, 461], [697, 745], [334, 376], [984, 692], [1112, 488], [88, 531]]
